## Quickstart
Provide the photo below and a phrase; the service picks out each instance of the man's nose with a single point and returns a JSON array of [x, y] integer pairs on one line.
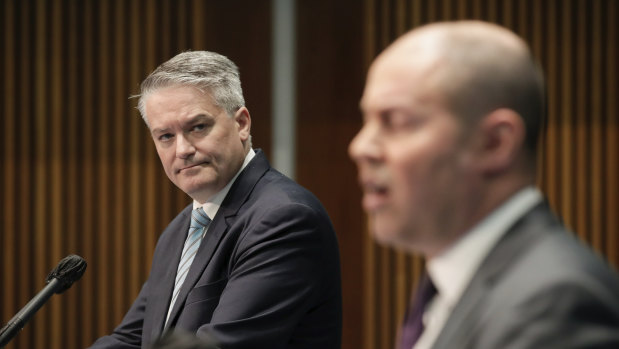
[[365, 145], [184, 147]]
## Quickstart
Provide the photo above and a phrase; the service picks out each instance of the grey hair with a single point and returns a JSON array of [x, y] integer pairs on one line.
[[210, 72]]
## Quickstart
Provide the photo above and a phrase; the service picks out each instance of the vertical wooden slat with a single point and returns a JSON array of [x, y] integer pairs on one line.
[[478, 6], [579, 157], [401, 15], [9, 157], [507, 14], [462, 12], [370, 282], [537, 43], [119, 122], [72, 329], [551, 168], [150, 212], [402, 282], [8, 239], [385, 281], [197, 24], [611, 88], [90, 285], [26, 169], [370, 33], [165, 39], [523, 21], [104, 170], [448, 9], [383, 28], [137, 251], [416, 14], [182, 17], [369, 276], [596, 139], [163, 31], [492, 9], [55, 117], [566, 130], [432, 13], [40, 215]]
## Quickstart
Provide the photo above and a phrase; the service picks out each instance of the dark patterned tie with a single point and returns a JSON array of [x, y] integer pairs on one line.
[[413, 320]]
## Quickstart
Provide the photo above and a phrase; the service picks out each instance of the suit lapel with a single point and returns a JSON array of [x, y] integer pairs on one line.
[[237, 195], [460, 327], [162, 278]]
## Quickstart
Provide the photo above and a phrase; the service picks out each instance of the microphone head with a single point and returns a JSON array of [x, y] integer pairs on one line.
[[69, 269]]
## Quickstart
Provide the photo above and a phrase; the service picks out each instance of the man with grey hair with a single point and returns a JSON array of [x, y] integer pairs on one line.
[[253, 262], [446, 159]]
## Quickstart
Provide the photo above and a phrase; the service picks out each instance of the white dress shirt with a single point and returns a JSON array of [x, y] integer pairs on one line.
[[211, 206], [453, 270]]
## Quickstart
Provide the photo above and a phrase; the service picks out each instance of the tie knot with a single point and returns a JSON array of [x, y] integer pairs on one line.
[[425, 291], [199, 218]]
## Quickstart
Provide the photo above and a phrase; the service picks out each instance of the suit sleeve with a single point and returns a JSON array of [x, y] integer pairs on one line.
[[564, 316], [278, 272], [128, 335]]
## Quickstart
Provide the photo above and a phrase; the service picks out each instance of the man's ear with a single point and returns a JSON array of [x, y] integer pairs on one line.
[[243, 122], [502, 134]]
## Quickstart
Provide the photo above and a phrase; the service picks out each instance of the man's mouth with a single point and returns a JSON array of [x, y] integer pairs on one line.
[[189, 167], [374, 195]]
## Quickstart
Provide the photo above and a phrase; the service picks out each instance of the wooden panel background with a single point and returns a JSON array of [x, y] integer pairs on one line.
[[576, 42], [330, 76], [78, 171]]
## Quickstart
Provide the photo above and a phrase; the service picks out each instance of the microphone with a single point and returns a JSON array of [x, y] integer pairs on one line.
[[69, 269]]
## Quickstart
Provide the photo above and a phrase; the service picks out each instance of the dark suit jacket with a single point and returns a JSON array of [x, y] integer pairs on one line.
[[266, 275], [540, 287]]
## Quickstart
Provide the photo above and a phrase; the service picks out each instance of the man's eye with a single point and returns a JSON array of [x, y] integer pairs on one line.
[[385, 120], [397, 120], [165, 137], [390, 120], [198, 127]]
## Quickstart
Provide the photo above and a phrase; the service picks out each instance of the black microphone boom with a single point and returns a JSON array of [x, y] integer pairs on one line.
[[69, 269]]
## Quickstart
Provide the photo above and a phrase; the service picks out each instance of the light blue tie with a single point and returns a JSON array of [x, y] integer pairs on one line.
[[199, 222]]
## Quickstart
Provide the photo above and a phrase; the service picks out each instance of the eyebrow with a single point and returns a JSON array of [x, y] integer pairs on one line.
[[201, 116], [198, 117]]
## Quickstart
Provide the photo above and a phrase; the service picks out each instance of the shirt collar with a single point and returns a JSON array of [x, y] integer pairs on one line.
[[452, 270], [211, 206]]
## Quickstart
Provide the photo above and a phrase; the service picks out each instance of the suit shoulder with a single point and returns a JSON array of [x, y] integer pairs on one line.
[[275, 190], [559, 264]]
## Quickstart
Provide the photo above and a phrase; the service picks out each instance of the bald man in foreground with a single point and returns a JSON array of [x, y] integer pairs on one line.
[[446, 159]]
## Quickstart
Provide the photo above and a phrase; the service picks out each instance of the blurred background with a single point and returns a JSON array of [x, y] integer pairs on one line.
[[79, 175]]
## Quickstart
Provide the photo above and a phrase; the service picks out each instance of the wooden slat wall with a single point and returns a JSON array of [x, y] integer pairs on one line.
[[330, 76], [79, 174], [577, 43]]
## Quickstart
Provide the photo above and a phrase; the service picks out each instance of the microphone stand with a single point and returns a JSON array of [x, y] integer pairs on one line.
[[18, 321], [69, 270]]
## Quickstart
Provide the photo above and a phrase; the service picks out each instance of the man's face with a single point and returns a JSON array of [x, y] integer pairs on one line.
[[200, 146], [411, 156]]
